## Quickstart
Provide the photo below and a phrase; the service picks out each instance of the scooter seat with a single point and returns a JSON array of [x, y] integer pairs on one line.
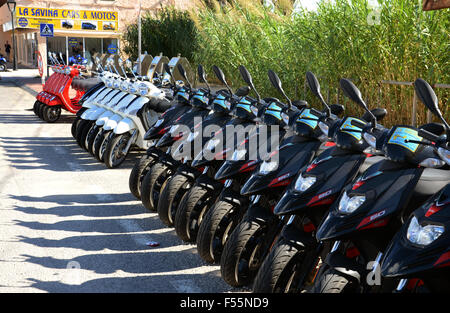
[[369, 162], [159, 105], [432, 180], [85, 84]]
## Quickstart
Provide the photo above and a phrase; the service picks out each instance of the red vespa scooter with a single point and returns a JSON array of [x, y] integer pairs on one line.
[[56, 91]]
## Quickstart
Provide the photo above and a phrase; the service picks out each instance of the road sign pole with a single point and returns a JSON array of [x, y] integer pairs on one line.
[[46, 49]]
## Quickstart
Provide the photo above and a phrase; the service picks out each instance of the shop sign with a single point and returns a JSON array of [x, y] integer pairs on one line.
[[112, 49], [66, 19], [73, 42]]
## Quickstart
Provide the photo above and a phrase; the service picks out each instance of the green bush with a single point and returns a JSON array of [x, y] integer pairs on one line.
[[334, 42], [338, 40], [168, 31]]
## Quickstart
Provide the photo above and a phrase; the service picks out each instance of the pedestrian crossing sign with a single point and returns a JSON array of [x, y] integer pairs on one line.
[[47, 30]]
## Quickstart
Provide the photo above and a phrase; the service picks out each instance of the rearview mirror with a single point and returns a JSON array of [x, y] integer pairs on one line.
[[201, 73], [276, 82], [221, 77], [248, 79], [352, 92], [183, 73], [313, 84], [427, 95]]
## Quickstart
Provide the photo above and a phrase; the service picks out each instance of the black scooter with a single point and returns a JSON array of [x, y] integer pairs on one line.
[[180, 104], [166, 165], [293, 260], [419, 254], [204, 193], [252, 239], [230, 206], [187, 174], [372, 208]]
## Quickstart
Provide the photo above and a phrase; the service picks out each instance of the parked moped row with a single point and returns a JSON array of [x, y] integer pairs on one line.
[[116, 117], [62, 90], [322, 216]]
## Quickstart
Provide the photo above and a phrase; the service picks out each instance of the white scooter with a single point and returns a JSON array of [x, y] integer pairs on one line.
[[130, 124]]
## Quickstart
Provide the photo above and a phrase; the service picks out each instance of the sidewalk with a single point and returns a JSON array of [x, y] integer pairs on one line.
[[25, 78]]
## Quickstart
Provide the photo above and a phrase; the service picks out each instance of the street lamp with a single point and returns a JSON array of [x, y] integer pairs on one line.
[[12, 9]]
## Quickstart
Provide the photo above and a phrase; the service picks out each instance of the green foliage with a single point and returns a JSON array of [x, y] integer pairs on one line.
[[336, 41], [170, 31]]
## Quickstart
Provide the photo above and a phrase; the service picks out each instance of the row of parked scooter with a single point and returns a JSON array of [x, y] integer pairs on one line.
[[343, 204]]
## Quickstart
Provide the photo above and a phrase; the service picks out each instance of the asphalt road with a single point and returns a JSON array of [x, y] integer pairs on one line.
[[69, 224]]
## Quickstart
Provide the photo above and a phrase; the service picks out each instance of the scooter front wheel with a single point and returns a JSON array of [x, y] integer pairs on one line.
[[100, 144], [36, 106], [281, 270], [242, 254], [51, 113], [41, 111], [90, 138], [140, 169], [152, 185], [331, 281], [191, 211], [215, 229], [115, 153], [170, 198]]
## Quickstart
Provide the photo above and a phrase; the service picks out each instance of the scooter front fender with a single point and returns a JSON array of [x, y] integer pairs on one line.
[[93, 114], [298, 238], [104, 118], [347, 267], [112, 122], [124, 126]]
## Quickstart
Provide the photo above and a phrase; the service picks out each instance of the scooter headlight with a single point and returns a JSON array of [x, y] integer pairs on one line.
[[116, 84], [324, 128], [132, 88], [423, 235], [444, 154], [267, 167], [349, 205], [124, 86], [304, 183], [371, 140], [143, 89], [67, 71], [238, 155]]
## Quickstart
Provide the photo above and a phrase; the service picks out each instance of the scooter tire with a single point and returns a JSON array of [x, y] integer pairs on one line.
[[112, 158], [152, 183], [191, 211], [277, 273], [36, 107], [90, 138], [51, 114], [82, 132], [236, 267], [100, 144], [171, 195], [41, 111], [214, 231], [140, 169], [331, 281]]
